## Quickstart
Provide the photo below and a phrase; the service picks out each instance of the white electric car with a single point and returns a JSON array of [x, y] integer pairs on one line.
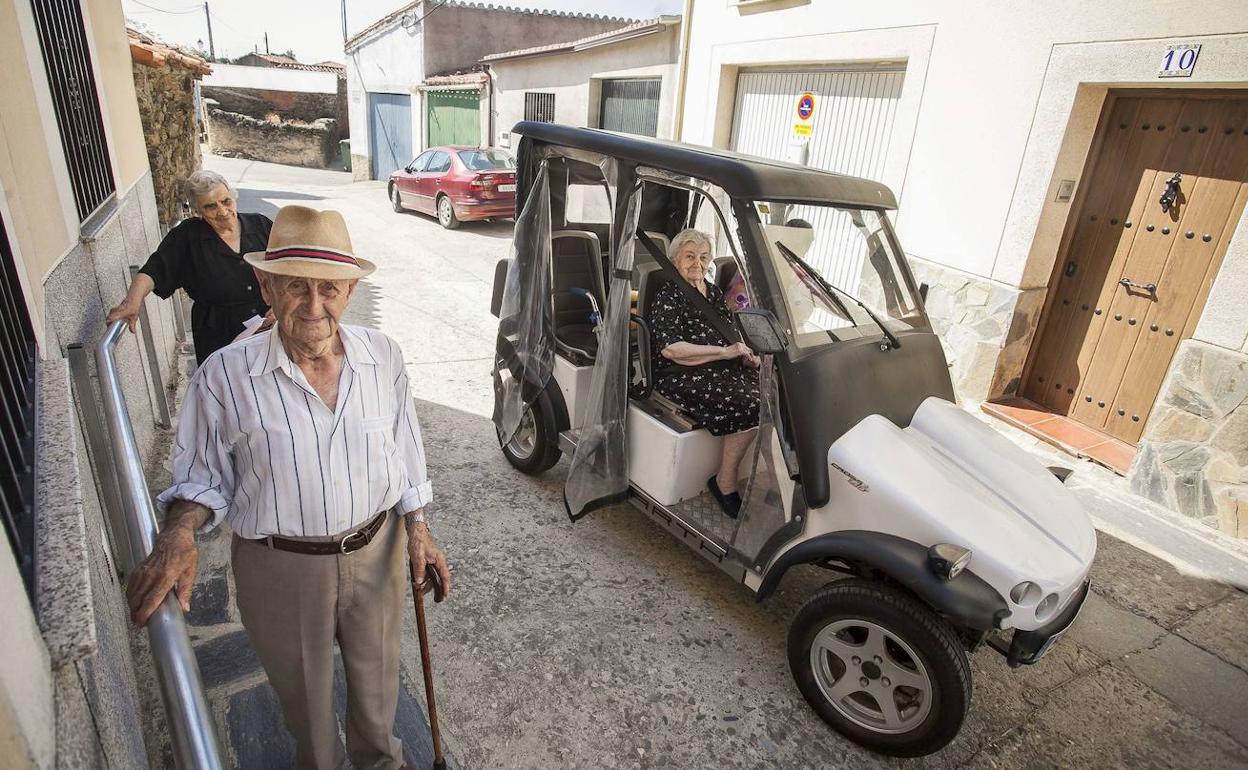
[[949, 536]]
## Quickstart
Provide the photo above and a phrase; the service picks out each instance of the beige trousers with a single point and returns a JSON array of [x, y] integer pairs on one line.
[[294, 606]]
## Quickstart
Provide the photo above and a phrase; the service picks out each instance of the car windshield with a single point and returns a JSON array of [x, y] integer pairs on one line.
[[487, 160], [839, 272]]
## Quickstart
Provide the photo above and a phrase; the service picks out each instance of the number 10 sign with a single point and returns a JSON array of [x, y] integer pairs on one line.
[[1178, 61]]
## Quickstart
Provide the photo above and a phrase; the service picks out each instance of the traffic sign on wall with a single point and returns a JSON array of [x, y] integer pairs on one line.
[[804, 115]]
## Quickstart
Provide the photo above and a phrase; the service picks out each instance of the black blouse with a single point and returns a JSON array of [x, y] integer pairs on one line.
[[223, 287], [674, 318]]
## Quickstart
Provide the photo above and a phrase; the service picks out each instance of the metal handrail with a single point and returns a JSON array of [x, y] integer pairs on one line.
[[193, 733]]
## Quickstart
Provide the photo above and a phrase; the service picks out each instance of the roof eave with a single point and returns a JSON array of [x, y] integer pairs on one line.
[[630, 35]]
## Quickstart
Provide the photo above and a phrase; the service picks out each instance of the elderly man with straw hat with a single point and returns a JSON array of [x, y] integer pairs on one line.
[[305, 442]]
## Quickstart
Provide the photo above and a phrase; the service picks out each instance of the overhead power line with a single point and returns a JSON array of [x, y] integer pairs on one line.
[[227, 25], [431, 10]]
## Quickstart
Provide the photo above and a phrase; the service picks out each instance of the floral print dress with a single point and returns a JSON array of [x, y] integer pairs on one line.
[[722, 395]]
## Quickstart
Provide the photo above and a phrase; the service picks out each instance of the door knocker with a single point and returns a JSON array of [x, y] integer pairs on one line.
[[1171, 193]]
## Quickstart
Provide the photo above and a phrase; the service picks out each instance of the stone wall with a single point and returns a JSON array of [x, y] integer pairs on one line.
[[97, 667], [984, 327], [287, 105], [1193, 457], [342, 110], [82, 600], [166, 97], [294, 144]]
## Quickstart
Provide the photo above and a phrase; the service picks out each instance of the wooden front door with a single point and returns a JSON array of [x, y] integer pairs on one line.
[[1159, 203]]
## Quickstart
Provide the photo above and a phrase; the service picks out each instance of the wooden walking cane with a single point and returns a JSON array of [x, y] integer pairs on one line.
[[433, 582]]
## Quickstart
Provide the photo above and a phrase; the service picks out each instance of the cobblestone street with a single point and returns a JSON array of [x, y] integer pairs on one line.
[[607, 644]]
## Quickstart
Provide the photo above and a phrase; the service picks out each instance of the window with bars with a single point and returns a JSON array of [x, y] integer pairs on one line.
[[539, 107], [67, 60], [17, 417]]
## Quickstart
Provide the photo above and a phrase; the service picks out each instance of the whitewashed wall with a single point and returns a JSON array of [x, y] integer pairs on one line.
[[389, 62], [969, 110], [571, 78], [272, 79]]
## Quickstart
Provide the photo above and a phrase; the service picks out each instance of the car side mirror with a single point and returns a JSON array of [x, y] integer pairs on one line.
[[761, 330], [923, 287], [408, 169], [500, 286]]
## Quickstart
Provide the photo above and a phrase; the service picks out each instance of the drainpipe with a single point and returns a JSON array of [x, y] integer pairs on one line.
[[489, 84], [682, 71]]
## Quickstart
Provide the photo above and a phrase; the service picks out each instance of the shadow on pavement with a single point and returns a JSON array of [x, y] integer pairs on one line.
[[490, 228], [574, 645], [260, 201], [611, 615]]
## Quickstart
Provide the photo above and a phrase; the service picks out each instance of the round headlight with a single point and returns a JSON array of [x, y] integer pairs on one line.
[[1025, 593], [1046, 608]]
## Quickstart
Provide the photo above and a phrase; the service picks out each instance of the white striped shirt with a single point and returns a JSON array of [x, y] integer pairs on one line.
[[256, 444]]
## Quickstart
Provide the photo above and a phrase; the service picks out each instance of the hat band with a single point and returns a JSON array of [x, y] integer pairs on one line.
[[304, 252]]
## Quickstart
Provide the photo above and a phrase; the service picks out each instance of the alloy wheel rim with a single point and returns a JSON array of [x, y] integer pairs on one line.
[[871, 676], [444, 210], [524, 440]]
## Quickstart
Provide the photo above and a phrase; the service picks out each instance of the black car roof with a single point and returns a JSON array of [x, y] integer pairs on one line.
[[742, 176]]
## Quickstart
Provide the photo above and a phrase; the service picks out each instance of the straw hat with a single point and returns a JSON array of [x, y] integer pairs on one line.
[[308, 243]]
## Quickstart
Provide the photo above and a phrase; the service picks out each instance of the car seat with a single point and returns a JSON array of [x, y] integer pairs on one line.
[[576, 263]]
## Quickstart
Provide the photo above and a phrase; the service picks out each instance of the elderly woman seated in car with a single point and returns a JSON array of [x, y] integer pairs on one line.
[[713, 378]]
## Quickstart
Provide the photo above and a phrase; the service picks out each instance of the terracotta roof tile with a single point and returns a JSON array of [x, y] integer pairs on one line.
[[149, 52]]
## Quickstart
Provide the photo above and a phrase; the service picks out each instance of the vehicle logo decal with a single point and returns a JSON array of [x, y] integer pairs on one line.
[[853, 480]]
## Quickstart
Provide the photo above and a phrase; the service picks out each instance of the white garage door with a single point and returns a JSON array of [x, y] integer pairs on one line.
[[853, 128]]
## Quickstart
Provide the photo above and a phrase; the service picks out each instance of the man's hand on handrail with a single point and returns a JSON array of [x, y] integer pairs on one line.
[[172, 564]]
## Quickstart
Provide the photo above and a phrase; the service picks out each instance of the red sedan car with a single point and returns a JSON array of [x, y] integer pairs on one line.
[[456, 184]]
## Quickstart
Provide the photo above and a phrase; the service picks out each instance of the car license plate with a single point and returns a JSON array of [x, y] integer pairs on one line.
[[506, 188], [1052, 640], [1048, 645]]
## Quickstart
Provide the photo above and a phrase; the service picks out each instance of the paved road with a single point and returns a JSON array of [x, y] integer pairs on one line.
[[606, 644]]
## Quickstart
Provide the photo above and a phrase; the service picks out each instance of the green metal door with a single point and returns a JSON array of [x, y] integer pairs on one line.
[[453, 118]]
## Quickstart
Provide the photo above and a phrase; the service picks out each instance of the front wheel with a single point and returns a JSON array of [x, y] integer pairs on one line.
[[446, 213], [534, 448], [395, 200], [880, 667]]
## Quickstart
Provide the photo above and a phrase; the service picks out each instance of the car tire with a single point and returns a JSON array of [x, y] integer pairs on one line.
[[534, 448], [888, 632], [446, 213], [395, 201]]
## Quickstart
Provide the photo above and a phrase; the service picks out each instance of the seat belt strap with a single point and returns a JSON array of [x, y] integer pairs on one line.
[[668, 270]]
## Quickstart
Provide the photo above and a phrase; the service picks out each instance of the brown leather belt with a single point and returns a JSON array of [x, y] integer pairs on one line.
[[346, 544]]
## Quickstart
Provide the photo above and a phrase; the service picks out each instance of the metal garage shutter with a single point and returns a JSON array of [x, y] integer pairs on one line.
[[389, 132], [631, 106], [852, 132], [454, 118]]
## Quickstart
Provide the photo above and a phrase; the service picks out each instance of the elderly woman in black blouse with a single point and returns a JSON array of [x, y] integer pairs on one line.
[[204, 256], [712, 378]]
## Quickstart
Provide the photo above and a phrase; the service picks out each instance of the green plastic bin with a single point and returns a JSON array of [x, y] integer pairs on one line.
[[344, 152]]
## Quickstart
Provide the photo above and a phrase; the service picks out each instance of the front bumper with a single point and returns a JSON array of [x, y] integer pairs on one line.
[[1027, 647]]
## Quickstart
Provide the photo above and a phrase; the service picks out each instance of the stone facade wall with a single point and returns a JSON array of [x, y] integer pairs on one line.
[[294, 144], [287, 105], [166, 97], [342, 110], [984, 327], [361, 168], [1193, 457], [99, 720], [99, 661]]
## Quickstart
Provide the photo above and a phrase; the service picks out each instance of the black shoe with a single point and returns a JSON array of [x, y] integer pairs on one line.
[[731, 502]]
